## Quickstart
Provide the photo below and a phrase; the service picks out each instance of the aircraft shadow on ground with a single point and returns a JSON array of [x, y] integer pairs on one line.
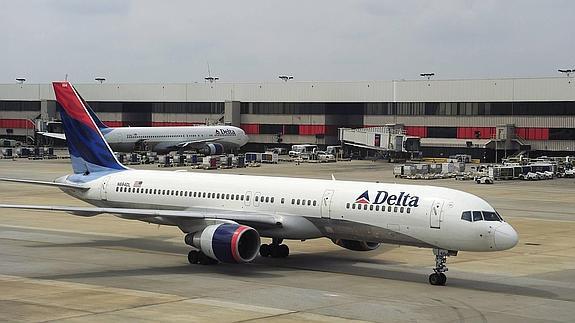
[[332, 261]]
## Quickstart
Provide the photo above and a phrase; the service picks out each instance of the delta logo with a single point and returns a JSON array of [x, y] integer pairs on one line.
[[384, 197], [225, 132]]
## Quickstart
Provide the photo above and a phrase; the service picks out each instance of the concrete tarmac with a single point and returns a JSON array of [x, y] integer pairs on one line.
[[59, 267]]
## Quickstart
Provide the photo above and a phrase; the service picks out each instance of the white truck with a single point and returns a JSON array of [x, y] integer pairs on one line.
[[299, 150]]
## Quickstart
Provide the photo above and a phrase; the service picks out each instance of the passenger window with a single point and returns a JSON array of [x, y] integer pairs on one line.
[[117, 188], [228, 196], [298, 200], [347, 206], [314, 202], [401, 209], [490, 216], [389, 209], [257, 198], [292, 201], [371, 207], [353, 206], [177, 193], [247, 198], [272, 199], [365, 207], [267, 199], [466, 216], [282, 200], [308, 202], [408, 210], [204, 194], [477, 216], [377, 207], [395, 209]]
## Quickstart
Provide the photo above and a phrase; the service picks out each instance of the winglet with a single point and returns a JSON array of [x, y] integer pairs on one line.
[[88, 149]]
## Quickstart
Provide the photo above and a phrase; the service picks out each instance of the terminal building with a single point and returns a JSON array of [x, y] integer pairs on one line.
[[450, 116]]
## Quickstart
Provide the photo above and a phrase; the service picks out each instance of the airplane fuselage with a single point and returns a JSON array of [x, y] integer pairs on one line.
[[422, 216], [162, 139]]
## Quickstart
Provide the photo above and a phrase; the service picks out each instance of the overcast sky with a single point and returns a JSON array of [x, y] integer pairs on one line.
[[173, 41]]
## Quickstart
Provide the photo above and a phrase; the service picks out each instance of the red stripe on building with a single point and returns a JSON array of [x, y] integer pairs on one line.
[[533, 133], [417, 131], [475, 132], [311, 130], [250, 128], [17, 123]]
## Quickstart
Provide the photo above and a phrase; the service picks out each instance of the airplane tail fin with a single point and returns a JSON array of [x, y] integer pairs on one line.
[[102, 126], [89, 150]]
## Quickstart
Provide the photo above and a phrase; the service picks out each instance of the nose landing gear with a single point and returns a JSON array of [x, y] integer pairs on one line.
[[438, 278]]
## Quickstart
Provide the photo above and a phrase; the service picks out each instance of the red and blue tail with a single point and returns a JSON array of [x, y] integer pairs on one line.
[[88, 150]]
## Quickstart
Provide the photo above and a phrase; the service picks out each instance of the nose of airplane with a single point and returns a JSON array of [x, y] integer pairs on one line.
[[505, 237]]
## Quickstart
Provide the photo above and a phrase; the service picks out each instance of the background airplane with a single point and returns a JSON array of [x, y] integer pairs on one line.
[[207, 140], [224, 216]]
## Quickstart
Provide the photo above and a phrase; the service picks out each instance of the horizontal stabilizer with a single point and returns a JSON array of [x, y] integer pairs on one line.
[[29, 181], [53, 135]]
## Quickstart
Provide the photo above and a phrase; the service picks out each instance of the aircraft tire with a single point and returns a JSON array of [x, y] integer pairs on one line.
[[443, 279], [283, 250], [436, 279], [265, 250], [193, 257]]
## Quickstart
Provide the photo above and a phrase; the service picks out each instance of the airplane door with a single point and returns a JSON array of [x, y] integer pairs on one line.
[[326, 204], [257, 197], [247, 199], [103, 193], [436, 214]]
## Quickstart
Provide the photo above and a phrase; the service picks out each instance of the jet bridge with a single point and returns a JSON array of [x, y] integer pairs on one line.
[[389, 141]]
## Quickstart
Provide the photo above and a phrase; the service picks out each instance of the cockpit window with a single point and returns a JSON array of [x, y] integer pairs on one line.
[[466, 216], [477, 216], [490, 216]]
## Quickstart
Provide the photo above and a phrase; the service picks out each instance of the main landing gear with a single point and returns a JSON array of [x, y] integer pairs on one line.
[[275, 250], [438, 278], [198, 257]]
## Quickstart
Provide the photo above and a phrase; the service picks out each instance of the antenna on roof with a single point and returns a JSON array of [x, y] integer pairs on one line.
[[210, 78], [66, 78]]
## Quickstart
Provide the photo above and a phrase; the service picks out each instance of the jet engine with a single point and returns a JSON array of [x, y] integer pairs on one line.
[[356, 245], [227, 242], [212, 149]]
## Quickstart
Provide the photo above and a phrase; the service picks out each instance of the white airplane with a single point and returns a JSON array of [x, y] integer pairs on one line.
[[224, 216], [208, 140]]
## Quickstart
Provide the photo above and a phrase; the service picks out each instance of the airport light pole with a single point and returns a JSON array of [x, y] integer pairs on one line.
[[285, 78], [211, 79], [100, 79], [427, 75], [566, 71]]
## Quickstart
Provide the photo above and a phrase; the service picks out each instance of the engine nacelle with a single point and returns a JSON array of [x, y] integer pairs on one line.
[[356, 245], [212, 149], [227, 242]]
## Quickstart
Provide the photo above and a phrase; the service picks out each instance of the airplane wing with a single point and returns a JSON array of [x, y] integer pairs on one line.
[[191, 143], [53, 135], [143, 214], [29, 181]]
